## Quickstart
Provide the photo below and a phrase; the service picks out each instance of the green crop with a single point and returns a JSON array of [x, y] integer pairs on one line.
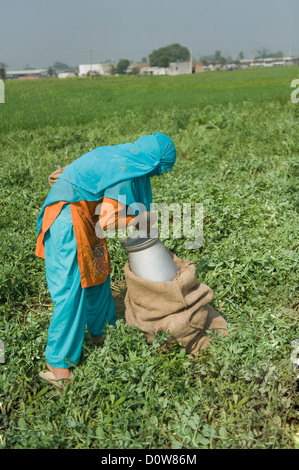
[[236, 135]]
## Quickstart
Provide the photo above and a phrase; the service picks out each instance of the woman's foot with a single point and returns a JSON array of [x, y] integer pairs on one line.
[[60, 373]]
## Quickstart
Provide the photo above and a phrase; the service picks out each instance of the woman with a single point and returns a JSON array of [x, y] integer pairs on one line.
[[78, 270]]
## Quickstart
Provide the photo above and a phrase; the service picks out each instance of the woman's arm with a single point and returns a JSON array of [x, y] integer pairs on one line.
[[113, 216]]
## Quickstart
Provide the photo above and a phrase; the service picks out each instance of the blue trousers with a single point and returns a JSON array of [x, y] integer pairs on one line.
[[74, 307]]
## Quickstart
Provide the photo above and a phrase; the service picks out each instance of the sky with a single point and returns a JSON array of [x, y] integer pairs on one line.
[[40, 32]]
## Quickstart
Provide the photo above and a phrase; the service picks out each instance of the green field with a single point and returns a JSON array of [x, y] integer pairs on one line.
[[237, 141]]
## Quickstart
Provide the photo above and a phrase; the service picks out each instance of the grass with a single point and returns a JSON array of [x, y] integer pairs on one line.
[[39, 103], [236, 135]]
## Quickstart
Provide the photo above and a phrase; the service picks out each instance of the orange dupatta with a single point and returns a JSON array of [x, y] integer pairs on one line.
[[92, 253]]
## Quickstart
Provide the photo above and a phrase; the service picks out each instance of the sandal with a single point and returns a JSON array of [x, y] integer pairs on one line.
[[49, 377]]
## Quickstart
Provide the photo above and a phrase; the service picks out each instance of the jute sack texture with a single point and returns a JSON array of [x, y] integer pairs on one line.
[[180, 306], [55, 175]]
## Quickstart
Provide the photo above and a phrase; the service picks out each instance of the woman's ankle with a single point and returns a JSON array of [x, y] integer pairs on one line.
[[59, 372]]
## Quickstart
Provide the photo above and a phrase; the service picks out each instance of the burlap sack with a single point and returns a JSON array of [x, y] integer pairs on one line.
[[180, 306], [55, 175]]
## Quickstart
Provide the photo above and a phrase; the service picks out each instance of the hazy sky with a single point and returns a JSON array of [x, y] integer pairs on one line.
[[41, 32]]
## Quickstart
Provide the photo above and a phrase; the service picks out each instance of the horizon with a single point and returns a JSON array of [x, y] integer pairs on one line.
[[199, 60], [39, 33]]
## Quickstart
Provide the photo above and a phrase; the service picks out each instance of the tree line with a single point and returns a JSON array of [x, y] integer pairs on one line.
[[162, 57]]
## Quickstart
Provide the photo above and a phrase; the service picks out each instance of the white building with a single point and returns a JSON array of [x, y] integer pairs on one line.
[[267, 62], [154, 71], [175, 68], [36, 73], [66, 74], [96, 69], [180, 68]]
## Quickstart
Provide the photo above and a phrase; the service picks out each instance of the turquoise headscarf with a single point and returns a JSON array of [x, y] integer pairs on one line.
[[120, 172]]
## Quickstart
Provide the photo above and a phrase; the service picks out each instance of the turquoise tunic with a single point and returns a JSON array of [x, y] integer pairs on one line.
[[121, 172]]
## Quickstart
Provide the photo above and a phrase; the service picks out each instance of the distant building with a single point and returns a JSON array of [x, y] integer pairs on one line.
[[267, 62], [230, 66], [95, 69], [136, 66], [147, 70], [180, 68], [174, 68], [66, 74], [198, 68], [26, 74]]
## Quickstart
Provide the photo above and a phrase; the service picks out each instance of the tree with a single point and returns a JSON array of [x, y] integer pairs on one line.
[[218, 58], [51, 71], [265, 53], [134, 71], [241, 55], [222, 60], [113, 69], [163, 61], [172, 53], [122, 66], [208, 59], [217, 55], [60, 65], [278, 54]]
